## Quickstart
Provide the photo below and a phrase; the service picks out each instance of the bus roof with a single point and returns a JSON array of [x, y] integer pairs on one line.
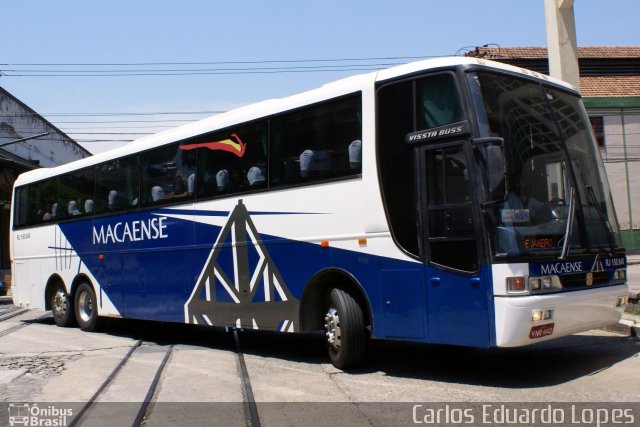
[[274, 106]]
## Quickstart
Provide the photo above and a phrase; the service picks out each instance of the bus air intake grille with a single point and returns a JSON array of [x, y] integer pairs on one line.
[[572, 281]]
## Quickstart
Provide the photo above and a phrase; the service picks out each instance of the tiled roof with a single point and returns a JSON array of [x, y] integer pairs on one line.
[[609, 52], [610, 85], [605, 71], [603, 52]]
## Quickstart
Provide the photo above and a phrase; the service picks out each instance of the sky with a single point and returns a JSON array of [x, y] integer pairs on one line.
[[199, 57]]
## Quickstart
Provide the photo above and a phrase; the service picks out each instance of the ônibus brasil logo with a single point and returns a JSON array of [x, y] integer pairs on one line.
[[32, 414]]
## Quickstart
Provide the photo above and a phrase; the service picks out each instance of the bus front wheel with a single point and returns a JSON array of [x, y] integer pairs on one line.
[[61, 307], [86, 308], [345, 329]]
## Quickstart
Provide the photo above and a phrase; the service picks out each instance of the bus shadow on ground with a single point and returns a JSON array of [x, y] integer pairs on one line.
[[294, 347], [540, 365]]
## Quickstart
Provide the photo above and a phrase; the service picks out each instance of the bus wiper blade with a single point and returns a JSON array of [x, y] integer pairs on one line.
[[567, 231], [490, 204], [603, 219]]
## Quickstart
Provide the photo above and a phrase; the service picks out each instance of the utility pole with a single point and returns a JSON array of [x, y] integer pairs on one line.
[[562, 46]]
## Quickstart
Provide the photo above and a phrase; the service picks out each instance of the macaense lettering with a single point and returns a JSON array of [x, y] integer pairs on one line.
[[561, 268], [131, 231]]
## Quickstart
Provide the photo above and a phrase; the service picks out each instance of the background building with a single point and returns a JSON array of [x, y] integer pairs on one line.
[[610, 85], [27, 141]]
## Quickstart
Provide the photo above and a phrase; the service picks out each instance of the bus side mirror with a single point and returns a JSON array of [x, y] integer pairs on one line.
[[491, 150], [495, 171]]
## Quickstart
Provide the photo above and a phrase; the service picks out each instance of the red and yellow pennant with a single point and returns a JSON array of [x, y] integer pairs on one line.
[[236, 147]]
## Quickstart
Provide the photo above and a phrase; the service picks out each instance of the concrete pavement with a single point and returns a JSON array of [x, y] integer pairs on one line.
[[633, 275]]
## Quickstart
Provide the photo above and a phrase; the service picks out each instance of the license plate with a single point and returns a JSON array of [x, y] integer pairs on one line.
[[541, 331]]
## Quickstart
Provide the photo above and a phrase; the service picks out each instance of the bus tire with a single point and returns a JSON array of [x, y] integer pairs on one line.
[[345, 330], [86, 309], [62, 307]]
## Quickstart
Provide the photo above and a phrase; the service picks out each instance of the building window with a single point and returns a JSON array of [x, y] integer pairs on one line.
[[597, 123]]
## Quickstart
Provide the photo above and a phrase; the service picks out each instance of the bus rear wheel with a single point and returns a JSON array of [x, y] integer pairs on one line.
[[345, 330], [86, 309], [61, 307]]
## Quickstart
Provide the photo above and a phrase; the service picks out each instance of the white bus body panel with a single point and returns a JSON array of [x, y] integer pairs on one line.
[[40, 253], [573, 312]]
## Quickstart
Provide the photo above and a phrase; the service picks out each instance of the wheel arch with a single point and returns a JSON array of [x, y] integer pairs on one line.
[[312, 302], [56, 279], [53, 282], [81, 278]]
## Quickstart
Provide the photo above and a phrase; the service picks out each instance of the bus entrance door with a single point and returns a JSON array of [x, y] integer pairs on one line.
[[457, 301]]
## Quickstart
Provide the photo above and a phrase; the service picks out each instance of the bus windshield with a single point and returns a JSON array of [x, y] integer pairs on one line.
[[553, 197]]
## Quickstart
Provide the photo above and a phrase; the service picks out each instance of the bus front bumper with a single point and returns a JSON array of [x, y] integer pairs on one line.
[[525, 320]]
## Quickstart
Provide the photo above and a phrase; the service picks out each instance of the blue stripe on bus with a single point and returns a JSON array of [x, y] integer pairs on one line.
[[151, 279], [224, 213]]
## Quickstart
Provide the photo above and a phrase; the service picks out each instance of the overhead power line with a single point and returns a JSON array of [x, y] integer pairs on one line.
[[273, 61], [119, 114], [122, 121], [156, 126], [181, 73], [117, 141], [156, 113], [198, 70], [195, 68], [109, 133]]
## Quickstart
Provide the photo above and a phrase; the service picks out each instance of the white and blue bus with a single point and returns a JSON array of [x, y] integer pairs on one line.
[[454, 201]]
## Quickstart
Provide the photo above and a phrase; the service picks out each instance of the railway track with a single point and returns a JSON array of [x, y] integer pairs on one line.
[[11, 313], [24, 324], [138, 413], [251, 409], [84, 415]]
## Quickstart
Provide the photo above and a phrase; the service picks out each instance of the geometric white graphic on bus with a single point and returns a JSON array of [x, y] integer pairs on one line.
[[65, 259], [62, 250], [240, 284], [598, 267]]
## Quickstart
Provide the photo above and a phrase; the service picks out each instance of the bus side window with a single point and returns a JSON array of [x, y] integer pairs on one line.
[[45, 198], [319, 142], [231, 161], [35, 202], [117, 185], [397, 162], [438, 102], [75, 190], [449, 213], [24, 212], [166, 173]]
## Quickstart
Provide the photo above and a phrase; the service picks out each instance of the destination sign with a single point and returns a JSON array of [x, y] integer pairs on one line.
[[593, 265], [539, 242]]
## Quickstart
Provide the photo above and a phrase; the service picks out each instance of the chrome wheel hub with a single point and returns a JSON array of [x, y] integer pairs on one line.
[[332, 328], [85, 307], [59, 303]]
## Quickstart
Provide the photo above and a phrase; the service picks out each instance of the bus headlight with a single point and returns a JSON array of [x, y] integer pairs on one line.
[[622, 301], [536, 284], [526, 285], [544, 284], [538, 315], [620, 275]]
